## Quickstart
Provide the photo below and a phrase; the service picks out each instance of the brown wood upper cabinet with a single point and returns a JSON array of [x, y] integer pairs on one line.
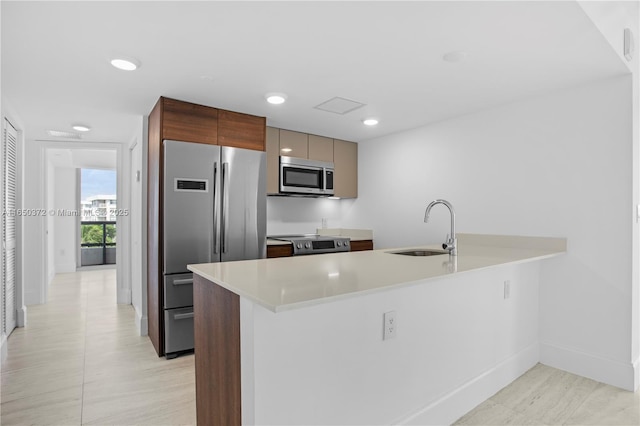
[[183, 121], [187, 122], [241, 130], [343, 154]]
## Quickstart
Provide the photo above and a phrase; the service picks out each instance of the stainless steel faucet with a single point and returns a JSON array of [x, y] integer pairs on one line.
[[452, 242]]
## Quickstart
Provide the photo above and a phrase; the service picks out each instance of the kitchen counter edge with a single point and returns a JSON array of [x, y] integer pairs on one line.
[[476, 252]]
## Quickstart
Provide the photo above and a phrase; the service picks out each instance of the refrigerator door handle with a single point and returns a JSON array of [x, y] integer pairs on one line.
[[188, 315], [225, 206], [215, 210]]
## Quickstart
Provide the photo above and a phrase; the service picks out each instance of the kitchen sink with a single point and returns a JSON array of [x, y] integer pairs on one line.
[[419, 252]]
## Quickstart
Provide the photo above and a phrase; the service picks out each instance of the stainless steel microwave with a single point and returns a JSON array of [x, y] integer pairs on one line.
[[299, 176]]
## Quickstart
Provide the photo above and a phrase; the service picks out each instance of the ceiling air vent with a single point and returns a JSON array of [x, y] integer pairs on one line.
[[61, 134], [339, 105]]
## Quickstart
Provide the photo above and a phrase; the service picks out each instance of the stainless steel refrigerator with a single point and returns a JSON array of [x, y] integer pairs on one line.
[[214, 211]]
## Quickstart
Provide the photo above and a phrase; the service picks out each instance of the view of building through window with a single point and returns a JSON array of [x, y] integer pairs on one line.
[[99, 210], [98, 195]]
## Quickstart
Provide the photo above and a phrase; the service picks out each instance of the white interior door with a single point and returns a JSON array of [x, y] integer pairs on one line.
[[9, 228]]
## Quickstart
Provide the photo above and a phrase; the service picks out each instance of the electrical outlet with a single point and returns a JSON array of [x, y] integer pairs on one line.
[[507, 289], [390, 325]]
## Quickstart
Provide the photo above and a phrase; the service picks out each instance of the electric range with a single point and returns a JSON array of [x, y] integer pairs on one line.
[[314, 244]]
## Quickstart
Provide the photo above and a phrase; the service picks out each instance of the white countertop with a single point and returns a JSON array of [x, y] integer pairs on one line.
[[293, 282]]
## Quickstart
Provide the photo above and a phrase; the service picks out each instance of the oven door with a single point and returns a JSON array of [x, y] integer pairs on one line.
[[297, 179]]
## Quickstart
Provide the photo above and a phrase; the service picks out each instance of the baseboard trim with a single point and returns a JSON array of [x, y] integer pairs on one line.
[[65, 267], [614, 373], [142, 324], [21, 320], [450, 407], [636, 376], [3, 348]]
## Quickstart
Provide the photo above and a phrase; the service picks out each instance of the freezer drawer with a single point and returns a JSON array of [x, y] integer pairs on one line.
[[178, 329], [178, 291]]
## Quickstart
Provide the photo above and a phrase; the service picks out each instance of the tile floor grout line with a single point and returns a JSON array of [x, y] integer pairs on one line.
[[84, 358]]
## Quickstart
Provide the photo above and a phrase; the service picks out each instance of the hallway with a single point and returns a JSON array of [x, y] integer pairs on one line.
[[81, 361]]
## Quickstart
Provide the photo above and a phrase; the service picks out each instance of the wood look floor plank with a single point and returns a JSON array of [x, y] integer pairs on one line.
[[492, 413], [60, 407], [547, 396]]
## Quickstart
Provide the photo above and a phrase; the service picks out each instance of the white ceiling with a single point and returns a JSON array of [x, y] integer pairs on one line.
[[387, 55]]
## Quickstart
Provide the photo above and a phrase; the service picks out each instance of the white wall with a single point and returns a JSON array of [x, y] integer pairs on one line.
[[611, 18], [458, 342], [557, 165], [299, 215], [65, 227], [50, 229], [34, 227], [138, 221]]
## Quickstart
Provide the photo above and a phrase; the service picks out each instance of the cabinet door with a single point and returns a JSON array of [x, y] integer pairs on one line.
[[184, 121], [294, 144], [241, 130], [345, 158], [285, 250], [320, 148], [361, 245], [273, 160]]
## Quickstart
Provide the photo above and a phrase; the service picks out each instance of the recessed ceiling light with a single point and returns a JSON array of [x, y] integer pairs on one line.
[[125, 64], [276, 98], [370, 121], [81, 127], [455, 56]]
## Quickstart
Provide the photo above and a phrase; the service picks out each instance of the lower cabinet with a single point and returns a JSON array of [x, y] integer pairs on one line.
[[362, 245], [281, 250]]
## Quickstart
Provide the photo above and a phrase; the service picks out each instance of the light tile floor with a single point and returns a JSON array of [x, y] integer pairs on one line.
[[81, 361], [547, 396]]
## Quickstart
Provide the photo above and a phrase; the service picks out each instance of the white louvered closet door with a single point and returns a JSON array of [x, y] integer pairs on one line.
[[9, 228]]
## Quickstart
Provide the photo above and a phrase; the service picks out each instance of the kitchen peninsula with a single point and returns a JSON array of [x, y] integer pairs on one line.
[[300, 340]]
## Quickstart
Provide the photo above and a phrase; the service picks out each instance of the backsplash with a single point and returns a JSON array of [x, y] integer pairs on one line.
[[299, 215]]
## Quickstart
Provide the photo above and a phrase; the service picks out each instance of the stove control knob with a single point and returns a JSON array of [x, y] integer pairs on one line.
[[308, 245], [339, 243], [299, 245]]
